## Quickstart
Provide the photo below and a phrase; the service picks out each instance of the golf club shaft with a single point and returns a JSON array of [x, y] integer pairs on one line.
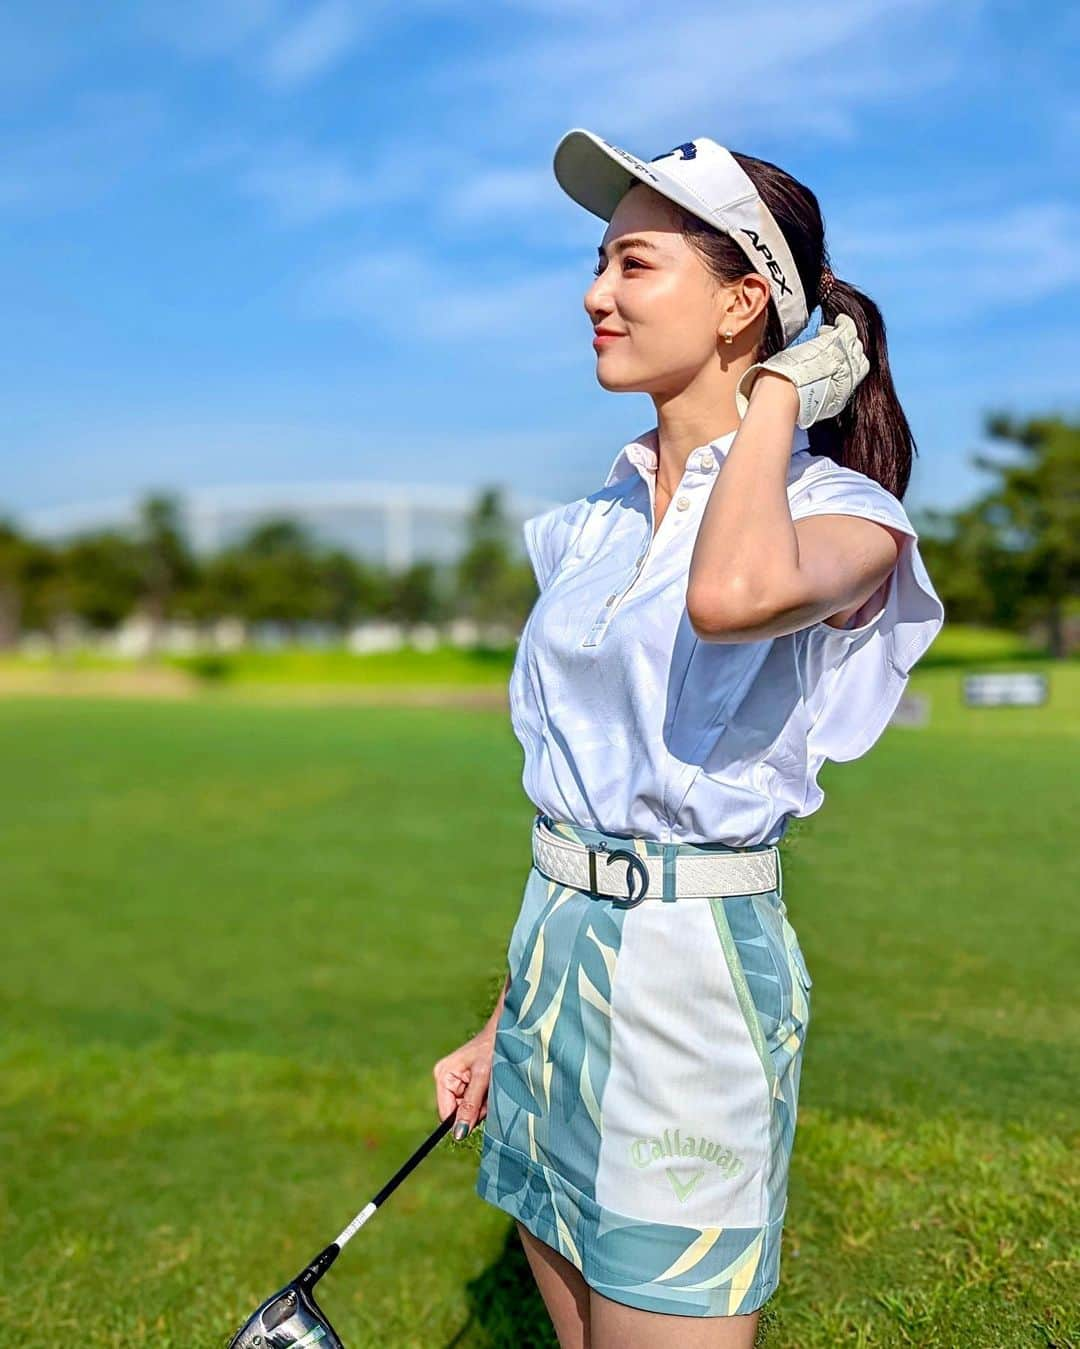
[[394, 1181]]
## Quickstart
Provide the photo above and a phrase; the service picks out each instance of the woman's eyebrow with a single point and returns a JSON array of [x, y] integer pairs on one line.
[[635, 242]]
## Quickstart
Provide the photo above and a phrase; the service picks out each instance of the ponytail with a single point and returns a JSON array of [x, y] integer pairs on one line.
[[871, 433]]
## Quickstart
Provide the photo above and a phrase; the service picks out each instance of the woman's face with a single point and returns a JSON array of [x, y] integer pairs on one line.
[[656, 292]]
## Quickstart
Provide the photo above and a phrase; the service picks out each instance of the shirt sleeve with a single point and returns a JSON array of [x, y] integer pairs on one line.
[[855, 676], [548, 537], [536, 532]]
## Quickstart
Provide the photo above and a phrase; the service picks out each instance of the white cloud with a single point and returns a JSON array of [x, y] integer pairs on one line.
[[661, 76], [407, 295], [492, 191], [302, 184], [311, 45], [211, 28], [282, 43], [997, 258], [74, 161]]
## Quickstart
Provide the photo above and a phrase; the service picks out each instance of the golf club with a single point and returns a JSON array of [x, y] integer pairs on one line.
[[291, 1318]]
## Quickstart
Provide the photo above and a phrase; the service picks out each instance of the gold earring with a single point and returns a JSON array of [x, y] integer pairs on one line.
[[727, 337]]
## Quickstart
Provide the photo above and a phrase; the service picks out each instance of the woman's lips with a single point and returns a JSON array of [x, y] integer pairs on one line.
[[602, 339]]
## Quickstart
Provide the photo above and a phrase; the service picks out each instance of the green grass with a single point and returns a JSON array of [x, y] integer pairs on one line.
[[299, 665], [445, 665], [239, 936]]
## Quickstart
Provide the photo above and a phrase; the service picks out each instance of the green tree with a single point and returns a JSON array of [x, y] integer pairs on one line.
[[282, 572], [43, 585], [489, 580], [223, 587], [1034, 508], [100, 578], [415, 596], [17, 558], [342, 587], [166, 563]]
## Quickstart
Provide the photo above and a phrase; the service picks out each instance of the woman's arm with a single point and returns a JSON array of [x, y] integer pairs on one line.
[[493, 1019], [755, 573]]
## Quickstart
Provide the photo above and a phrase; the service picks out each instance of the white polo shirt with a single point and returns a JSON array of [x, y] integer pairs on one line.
[[632, 724]]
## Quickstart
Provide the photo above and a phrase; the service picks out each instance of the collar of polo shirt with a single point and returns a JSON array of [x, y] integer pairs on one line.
[[643, 453]]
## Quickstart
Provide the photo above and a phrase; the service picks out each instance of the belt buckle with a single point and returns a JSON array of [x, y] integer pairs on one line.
[[635, 867]]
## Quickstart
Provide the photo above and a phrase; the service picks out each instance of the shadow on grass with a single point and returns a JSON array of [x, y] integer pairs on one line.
[[506, 1308]]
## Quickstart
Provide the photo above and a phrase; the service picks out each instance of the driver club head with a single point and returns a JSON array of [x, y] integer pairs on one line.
[[290, 1319]]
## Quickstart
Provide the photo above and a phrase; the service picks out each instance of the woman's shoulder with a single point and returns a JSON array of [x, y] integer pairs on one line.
[[548, 534]]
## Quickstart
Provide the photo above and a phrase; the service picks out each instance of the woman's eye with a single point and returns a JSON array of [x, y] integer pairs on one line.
[[599, 268]]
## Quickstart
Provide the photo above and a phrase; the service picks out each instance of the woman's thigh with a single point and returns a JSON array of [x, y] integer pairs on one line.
[[585, 1319], [564, 1290], [613, 1325]]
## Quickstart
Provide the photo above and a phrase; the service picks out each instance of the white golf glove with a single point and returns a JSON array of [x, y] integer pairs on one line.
[[826, 371]]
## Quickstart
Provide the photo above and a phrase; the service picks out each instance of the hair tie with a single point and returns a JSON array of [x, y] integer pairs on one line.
[[827, 283]]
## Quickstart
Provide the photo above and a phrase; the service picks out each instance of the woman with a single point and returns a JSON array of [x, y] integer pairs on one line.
[[742, 599]]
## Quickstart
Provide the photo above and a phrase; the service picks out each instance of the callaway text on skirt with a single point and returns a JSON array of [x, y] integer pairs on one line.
[[645, 1071]]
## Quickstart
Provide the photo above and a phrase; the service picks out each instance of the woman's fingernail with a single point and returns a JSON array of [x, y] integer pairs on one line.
[[460, 1130]]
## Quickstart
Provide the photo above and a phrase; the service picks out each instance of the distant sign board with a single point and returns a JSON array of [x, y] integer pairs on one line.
[[1006, 690]]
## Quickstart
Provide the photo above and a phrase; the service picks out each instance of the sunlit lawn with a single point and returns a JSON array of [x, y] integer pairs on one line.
[[292, 664], [238, 936], [444, 664]]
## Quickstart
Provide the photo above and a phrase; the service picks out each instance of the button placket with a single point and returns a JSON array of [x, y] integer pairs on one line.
[[611, 603]]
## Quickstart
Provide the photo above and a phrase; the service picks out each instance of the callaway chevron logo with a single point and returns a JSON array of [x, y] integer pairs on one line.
[[683, 1185], [673, 1145], [814, 395]]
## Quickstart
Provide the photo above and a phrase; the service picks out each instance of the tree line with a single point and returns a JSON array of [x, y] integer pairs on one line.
[[277, 572], [1009, 560]]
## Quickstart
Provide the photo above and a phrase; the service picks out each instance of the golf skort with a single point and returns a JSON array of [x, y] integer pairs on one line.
[[642, 1102]]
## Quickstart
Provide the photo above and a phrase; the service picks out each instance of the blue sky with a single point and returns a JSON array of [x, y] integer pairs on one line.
[[253, 241]]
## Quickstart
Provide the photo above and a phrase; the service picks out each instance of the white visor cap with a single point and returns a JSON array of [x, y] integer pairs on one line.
[[705, 179]]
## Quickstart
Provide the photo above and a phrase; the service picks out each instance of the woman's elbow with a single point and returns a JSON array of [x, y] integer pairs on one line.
[[734, 614]]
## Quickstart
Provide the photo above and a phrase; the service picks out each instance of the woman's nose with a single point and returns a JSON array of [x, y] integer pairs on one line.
[[595, 304]]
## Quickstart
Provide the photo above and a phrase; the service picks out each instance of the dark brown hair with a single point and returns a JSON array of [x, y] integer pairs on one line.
[[870, 433]]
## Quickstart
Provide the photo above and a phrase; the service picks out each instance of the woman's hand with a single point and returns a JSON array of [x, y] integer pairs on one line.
[[461, 1081], [826, 371]]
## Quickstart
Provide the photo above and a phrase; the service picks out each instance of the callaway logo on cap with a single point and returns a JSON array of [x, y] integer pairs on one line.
[[705, 179]]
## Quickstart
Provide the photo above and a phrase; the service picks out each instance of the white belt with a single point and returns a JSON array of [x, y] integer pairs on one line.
[[624, 874]]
